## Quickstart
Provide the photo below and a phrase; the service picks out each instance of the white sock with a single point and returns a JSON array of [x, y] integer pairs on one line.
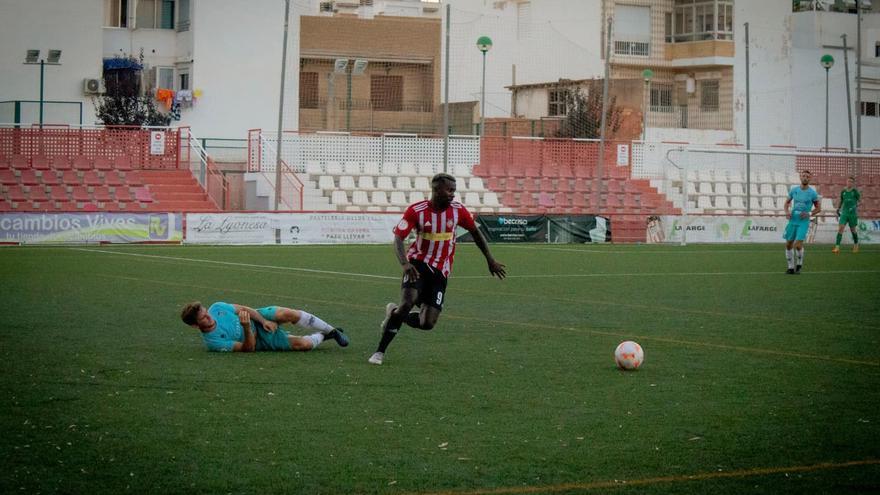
[[789, 256], [800, 256], [316, 339], [307, 320]]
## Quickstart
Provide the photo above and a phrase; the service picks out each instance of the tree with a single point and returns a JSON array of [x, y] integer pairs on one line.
[[123, 103], [583, 118]]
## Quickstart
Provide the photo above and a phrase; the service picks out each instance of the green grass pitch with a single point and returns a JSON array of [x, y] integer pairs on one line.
[[754, 381]]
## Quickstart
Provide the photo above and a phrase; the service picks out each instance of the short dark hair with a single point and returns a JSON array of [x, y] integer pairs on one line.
[[190, 313], [852, 178], [807, 171], [435, 181]]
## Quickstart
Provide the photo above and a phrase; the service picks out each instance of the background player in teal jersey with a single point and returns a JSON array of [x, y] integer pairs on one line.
[[236, 328], [801, 200], [848, 214]]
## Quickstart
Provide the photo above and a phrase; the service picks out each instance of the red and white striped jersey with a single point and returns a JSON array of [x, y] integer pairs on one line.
[[435, 232]]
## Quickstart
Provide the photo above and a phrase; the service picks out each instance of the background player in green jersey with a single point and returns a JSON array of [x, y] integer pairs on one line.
[[847, 212]]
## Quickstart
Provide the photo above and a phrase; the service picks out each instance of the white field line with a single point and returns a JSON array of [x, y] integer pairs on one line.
[[386, 277]]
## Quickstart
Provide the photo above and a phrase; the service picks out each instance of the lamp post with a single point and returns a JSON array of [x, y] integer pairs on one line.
[[484, 44], [647, 74], [33, 58], [827, 62]]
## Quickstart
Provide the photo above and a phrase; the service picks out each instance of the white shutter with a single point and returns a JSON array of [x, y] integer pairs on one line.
[[632, 23]]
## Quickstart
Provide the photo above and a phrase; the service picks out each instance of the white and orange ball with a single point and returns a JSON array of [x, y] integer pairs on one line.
[[629, 355]]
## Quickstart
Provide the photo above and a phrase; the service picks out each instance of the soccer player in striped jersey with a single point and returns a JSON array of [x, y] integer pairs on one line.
[[428, 261]]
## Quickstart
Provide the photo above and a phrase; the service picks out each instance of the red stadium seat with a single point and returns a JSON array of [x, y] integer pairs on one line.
[[103, 163], [102, 194], [61, 163], [123, 163], [29, 177], [143, 195], [70, 178], [81, 194], [40, 162], [82, 163], [7, 177], [134, 179], [91, 178], [50, 178], [112, 179], [38, 194], [16, 194], [123, 194], [58, 194], [20, 162], [5, 205]]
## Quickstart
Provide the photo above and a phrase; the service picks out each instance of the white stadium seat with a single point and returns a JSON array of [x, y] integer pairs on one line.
[[704, 203], [333, 168], [476, 184], [365, 183], [325, 183], [346, 182], [360, 198], [314, 168], [398, 199], [491, 199], [416, 196], [371, 168], [408, 169], [422, 184], [389, 168], [706, 188], [721, 204], [472, 200], [339, 198], [384, 183], [351, 168], [425, 169], [403, 183], [721, 189], [379, 198]]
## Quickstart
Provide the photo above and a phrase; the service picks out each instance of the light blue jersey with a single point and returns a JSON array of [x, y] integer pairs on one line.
[[802, 201], [229, 330]]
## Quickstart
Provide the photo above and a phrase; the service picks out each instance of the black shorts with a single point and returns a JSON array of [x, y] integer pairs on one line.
[[431, 285]]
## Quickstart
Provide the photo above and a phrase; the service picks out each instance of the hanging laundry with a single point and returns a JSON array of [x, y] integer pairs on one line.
[[166, 96], [175, 111]]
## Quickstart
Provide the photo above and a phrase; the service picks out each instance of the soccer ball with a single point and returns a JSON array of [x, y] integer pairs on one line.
[[629, 355]]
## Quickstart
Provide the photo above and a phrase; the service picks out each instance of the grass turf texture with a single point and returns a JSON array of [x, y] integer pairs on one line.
[[754, 381]]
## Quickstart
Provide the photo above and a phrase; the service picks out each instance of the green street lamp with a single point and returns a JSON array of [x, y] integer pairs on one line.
[[647, 74], [827, 62], [484, 44]]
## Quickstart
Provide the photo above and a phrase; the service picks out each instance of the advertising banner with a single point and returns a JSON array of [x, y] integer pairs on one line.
[[542, 228], [53, 228], [338, 228], [293, 228], [720, 229]]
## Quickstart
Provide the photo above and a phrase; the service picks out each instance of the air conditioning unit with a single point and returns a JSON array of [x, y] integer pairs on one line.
[[93, 86]]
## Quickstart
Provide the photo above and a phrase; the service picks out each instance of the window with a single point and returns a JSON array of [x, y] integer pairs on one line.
[[308, 90], [116, 13], [326, 7], [184, 81], [696, 20], [556, 105], [667, 27], [869, 109], [877, 49], [165, 77], [155, 14], [386, 93], [661, 98], [709, 96], [182, 15], [632, 30], [523, 21]]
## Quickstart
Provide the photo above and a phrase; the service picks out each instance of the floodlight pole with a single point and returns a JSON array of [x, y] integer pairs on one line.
[[848, 106], [484, 44], [281, 108], [599, 170], [446, 99], [42, 74]]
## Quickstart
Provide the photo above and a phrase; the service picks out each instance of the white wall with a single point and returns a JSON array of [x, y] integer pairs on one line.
[[770, 72], [74, 26], [556, 39], [237, 65]]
